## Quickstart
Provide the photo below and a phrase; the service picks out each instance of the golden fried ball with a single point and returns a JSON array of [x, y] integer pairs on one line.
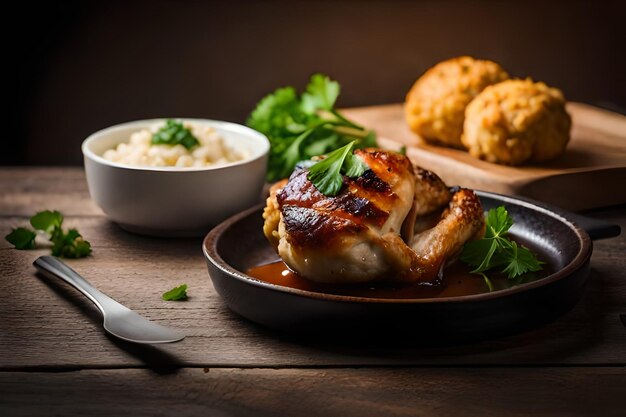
[[517, 121], [435, 105]]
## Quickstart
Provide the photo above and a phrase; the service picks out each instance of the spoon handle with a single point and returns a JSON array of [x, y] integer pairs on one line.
[[53, 268]]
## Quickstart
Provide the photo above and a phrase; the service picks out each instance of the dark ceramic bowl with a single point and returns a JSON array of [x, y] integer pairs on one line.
[[239, 244]]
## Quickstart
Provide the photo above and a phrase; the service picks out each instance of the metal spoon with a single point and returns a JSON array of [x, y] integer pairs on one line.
[[118, 320]]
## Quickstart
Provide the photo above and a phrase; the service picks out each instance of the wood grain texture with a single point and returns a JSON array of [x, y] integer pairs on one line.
[[46, 324], [55, 359], [595, 155], [24, 191], [317, 392]]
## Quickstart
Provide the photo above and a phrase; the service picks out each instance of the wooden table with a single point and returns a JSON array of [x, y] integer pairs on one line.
[[55, 358]]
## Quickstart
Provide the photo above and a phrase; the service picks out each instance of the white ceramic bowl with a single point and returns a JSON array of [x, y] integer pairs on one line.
[[170, 201]]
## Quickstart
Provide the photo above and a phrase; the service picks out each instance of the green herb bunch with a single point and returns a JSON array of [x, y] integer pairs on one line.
[[66, 244], [301, 127], [176, 294], [174, 133], [496, 251], [327, 174]]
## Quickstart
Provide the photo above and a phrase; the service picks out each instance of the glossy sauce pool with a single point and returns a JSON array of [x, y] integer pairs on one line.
[[457, 281]]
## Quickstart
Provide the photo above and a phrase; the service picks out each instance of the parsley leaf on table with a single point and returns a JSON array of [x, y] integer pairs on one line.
[[301, 127], [176, 294], [21, 238], [495, 250], [68, 244], [174, 133], [47, 220]]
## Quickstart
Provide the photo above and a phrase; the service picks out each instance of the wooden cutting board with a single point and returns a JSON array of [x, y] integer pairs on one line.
[[591, 173]]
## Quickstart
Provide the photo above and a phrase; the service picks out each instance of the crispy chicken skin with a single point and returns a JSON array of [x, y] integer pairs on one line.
[[393, 223]]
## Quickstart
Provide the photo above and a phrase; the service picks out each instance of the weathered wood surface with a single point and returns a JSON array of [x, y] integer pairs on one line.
[[595, 155], [44, 323], [24, 191], [55, 359], [317, 392]]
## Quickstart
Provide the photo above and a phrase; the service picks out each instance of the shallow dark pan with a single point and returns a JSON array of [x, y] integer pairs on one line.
[[238, 244]]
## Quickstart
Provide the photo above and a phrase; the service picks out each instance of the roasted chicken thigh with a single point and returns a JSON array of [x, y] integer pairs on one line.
[[393, 223]]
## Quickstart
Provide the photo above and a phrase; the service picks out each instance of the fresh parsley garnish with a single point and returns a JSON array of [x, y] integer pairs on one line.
[[176, 294], [321, 94], [495, 250], [47, 220], [68, 244], [301, 127], [174, 133], [327, 174], [21, 238]]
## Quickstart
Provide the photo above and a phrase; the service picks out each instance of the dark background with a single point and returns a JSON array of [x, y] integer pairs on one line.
[[76, 67]]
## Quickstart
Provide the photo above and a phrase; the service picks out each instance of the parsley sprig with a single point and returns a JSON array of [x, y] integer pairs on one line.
[[22, 238], [66, 244], [301, 127], [174, 133], [176, 294], [495, 250], [327, 174]]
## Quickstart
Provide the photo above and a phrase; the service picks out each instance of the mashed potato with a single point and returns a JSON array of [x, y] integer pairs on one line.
[[435, 105], [211, 151], [517, 121]]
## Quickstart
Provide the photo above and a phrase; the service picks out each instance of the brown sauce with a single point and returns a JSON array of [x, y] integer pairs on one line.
[[457, 281]]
